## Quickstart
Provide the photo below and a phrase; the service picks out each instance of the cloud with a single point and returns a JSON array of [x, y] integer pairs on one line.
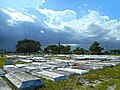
[[28, 20], [35, 31], [17, 16], [93, 25], [72, 45], [56, 18], [42, 31], [85, 5]]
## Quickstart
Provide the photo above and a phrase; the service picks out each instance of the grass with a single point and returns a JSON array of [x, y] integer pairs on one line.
[[1, 55], [7, 81], [19, 62], [68, 84], [104, 74], [2, 61], [109, 77], [113, 54]]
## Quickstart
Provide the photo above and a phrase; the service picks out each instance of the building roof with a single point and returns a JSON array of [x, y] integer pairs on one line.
[[49, 74], [26, 60], [21, 65], [9, 66], [66, 73], [18, 78], [79, 71], [22, 76]]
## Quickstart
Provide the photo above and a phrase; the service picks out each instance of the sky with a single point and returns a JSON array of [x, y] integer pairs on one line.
[[70, 22]]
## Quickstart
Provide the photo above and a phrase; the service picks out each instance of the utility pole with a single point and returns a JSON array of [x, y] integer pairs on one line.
[[59, 48], [106, 48], [106, 44]]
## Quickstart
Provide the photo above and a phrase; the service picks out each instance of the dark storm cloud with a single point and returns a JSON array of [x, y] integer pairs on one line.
[[37, 30], [9, 35]]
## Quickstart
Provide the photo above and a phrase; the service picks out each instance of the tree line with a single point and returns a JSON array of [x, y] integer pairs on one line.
[[31, 46]]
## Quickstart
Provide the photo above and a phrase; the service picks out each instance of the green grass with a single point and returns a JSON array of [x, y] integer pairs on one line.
[[1, 55], [2, 61], [68, 84], [108, 77], [104, 74], [113, 54], [19, 62], [7, 81]]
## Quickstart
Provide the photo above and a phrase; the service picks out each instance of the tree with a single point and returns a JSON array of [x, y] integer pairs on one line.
[[64, 49], [2, 51], [79, 50], [95, 48], [115, 51], [27, 46], [57, 49], [51, 49]]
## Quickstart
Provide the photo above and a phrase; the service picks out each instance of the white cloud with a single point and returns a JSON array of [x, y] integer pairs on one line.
[[72, 45], [33, 16], [17, 16], [85, 5], [56, 18], [10, 22], [11, 9], [93, 25], [42, 1], [41, 31]]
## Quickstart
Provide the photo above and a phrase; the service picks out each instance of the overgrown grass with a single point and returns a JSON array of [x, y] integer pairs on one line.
[[109, 77], [19, 62], [0, 55], [104, 74], [113, 54], [7, 81], [68, 84], [2, 61]]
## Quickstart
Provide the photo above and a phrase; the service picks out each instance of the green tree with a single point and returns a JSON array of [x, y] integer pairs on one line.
[[51, 49], [27, 46], [95, 48], [79, 50], [57, 49], [115, 51], [64, 49]]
